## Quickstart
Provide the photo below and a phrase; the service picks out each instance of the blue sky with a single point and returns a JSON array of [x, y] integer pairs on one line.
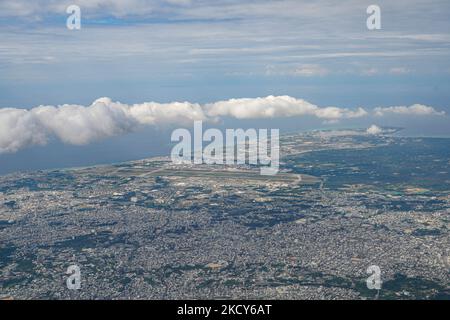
[[136, 51]]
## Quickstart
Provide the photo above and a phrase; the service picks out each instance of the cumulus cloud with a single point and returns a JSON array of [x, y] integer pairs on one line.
[[416, 109], [374, 130], [278, 106], [19, 128], [79, 125]]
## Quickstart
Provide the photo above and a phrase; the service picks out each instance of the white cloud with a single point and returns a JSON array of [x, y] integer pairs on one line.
[[278, 106], [373, 129], [416, 109], [19, 128], [79, 125]]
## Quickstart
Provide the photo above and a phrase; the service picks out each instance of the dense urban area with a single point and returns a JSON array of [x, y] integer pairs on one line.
[[344, 200]]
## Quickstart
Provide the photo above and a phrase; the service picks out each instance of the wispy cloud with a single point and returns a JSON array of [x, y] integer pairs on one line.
[[302, 70], [309, 70], [399, 70], [416, 110]]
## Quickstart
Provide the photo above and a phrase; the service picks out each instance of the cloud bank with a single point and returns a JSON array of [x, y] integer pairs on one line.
[[80, 125]]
